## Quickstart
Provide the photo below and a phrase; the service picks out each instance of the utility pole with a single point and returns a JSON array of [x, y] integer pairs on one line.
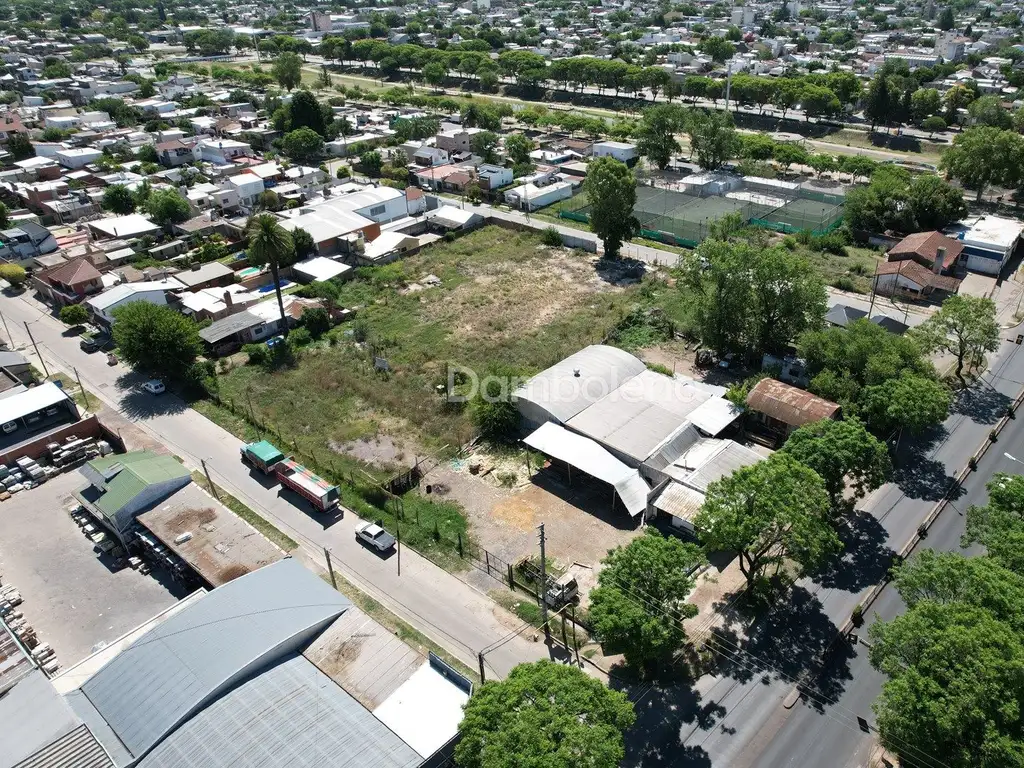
[[10, 338], [728, 85], [38, 354], [330, 568], [399, 536], [85, 396], [213, 488], [874, 282], [544, 588], [480, 659]]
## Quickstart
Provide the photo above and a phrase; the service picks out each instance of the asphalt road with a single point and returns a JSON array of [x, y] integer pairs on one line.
[[437, 603], [738, 720]]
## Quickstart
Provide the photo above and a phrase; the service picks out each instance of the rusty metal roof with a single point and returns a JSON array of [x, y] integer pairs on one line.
[[788, 404]]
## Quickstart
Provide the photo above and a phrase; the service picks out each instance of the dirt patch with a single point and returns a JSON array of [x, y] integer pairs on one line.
[[381, 450], [232, 572], [340, 657], [680, 357], [187, 519]]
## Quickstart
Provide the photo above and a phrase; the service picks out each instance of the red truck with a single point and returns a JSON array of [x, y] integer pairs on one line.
[[310, 486]]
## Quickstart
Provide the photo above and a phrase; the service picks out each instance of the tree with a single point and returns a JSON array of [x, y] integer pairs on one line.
[[611, 190], [822, 163], [748, 296], [954, 685], [20, 146], [958, 97], [989, 110], [712, 138], [640, 602], [287, 70], [878, 104], [719, 49], [965, 327], [485, 144], [13, 274], [945, 21], [909, 402], [5, 219], [999, 525], [167, 206], [147, 154], [303, 243], [492, 409], [435, 73], [544, 714], [270, 243], [73, 314], [117, 198], [213, 248], [656, 136], [924, 103], [818, 101], [844, 454], [518, 148], [934, 203], [773, 511], [316, 321], [786, 154], [303, 144], [306, 112], [883, 204], [983, 156], [371, 162], [156, 339], [933, 124]]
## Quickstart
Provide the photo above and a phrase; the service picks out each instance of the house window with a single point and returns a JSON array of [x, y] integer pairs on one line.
[[377, 210], [259, 330]]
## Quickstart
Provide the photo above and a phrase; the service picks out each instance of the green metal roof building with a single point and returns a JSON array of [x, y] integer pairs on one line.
[[121, 486]]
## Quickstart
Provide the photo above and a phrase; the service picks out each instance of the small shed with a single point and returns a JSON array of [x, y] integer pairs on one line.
[[781, 408]]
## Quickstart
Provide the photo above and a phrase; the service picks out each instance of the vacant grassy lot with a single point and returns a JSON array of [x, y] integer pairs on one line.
[[852, 272], [503, 299]]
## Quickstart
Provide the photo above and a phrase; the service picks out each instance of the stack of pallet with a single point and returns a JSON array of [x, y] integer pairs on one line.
[[44, 655], [72, 451]]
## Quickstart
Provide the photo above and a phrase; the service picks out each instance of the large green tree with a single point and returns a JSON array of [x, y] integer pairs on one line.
[[303, 144], [983, 156], [640, 602], [773, 511], [999, 525], [546, 715], [965, 327], [117, 198], [656, 136], [287, 70], [713, 137], [271, 244], [167, 206], [611, 190], [156, 339], [844, 454], [909, 402], [955, 687]]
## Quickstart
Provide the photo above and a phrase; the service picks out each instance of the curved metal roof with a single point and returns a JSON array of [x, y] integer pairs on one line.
[[583, 378], [183, 663]]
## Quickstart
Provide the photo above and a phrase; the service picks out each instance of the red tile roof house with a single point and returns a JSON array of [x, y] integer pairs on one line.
[[69, 283], [920, 265]]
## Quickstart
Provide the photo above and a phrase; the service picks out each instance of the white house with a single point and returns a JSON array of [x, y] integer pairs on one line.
[[380, 204], [493, 176], [530, 197], [222, 151], [620, 150], [102, 306], [249, 187], [24, 242], [78, 157], [989, 242]]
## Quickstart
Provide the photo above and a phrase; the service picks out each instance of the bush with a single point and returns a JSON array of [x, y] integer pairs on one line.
[[300, 337], [13, 274], [343, 172], [845, 283], [789, 243], [316, 322], [551, 236], [74, 314], [258, 353]]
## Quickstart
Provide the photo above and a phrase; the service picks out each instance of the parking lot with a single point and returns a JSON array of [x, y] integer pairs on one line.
[[71, 597]]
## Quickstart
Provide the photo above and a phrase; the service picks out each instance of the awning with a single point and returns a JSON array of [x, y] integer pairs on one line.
[[589, 457]]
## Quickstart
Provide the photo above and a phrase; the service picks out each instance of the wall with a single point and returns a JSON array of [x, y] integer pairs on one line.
[[87, 427]]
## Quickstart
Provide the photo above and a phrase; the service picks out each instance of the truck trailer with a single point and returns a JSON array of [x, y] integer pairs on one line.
[[310, 486]]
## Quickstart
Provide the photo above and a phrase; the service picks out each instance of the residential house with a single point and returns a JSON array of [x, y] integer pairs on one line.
[[380, 204], [70, 282], [222, 151], [21, 244], [909, 279], [217, 303], [249, 187], [493, 177], [10, 125], [175, 152], [620, 150], [102, 307], [780, 408], [989, 242], [211, 275], [129, 226], [530, 197], [256, 323], [78, 157]]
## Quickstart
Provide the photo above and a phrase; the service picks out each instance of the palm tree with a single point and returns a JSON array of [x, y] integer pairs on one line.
[[270, 243]]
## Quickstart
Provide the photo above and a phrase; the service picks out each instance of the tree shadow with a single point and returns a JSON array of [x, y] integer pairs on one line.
[[139, 404], [665, 715], [921, 477], [866, 555], [794, 642], [981, 404]]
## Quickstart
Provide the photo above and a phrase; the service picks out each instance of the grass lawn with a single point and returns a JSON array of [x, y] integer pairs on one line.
[[504, 299], [852, 272]]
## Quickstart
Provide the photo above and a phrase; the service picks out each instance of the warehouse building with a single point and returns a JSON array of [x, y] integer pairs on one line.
[[274, 669]]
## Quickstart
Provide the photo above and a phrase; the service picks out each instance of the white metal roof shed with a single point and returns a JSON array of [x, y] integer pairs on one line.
[[586, 455], [31, 400], [425, 711], [320, 268]]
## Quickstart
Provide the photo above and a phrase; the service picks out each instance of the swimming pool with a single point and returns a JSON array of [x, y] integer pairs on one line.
[[269, 288], [248, 272]]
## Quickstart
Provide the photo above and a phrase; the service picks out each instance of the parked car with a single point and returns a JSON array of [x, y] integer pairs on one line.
[[10, 426], [154, 386], [375, 536], [96, 342]]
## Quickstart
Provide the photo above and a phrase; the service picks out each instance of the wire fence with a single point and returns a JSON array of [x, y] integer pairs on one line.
[[682, 218]]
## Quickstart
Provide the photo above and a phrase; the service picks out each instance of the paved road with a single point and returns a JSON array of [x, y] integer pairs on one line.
[[441, 606], [737, 719]]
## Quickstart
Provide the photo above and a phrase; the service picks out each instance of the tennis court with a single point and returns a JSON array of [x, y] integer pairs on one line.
[[672, 216]]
